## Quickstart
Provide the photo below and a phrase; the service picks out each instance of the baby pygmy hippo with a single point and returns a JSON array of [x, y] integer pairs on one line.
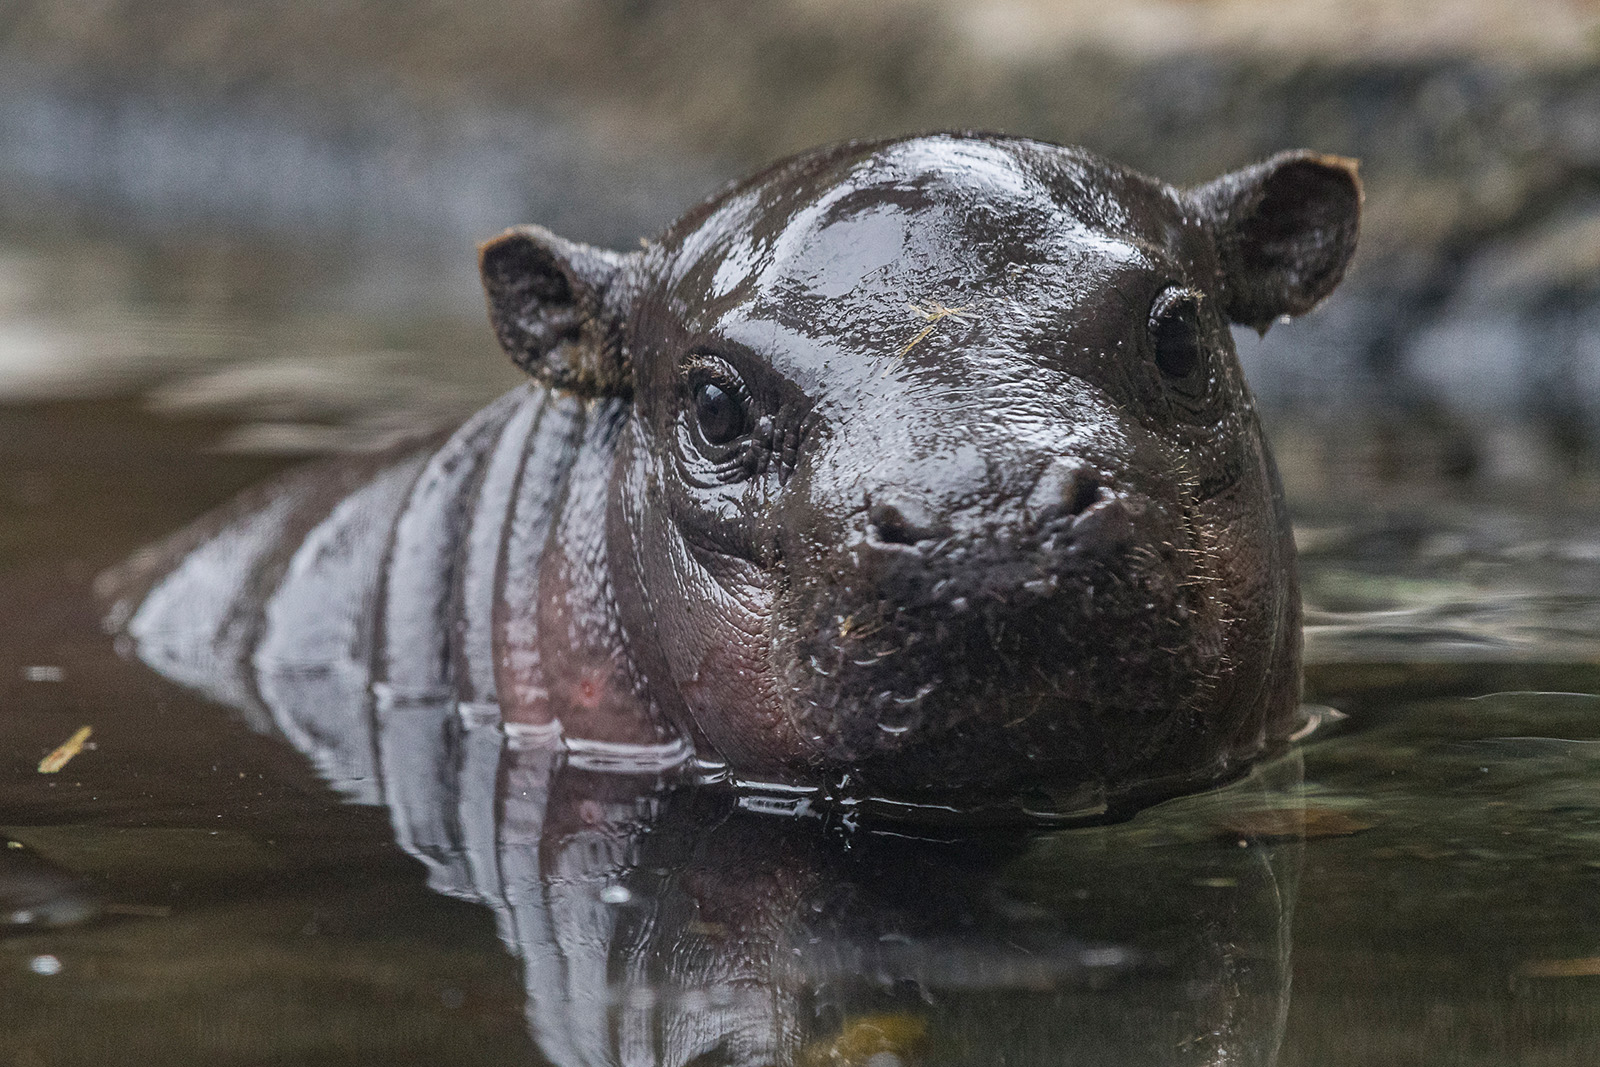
[[919, 470]]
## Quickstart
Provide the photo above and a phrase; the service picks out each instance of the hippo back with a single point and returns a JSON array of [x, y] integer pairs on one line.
[[355, 592]]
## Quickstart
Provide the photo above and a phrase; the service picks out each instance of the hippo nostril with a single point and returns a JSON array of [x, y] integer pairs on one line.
[[1066, 487], [890, 524], [1104, 527], [899, 525], [1084, 496]]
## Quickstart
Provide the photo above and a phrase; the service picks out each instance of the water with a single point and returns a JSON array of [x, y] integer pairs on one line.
[[1415, 883]]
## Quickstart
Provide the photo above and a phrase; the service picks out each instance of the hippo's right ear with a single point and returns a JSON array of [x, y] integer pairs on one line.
[[1285, 232], [547, 299]]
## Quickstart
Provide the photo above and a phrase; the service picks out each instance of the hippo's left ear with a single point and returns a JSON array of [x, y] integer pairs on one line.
[[1285, 231], [547, 303]]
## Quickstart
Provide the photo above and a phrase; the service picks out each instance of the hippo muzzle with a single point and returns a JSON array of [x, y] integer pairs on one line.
[[1043, 609]]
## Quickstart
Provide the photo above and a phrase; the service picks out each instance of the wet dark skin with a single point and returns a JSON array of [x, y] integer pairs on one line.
[[925, 469]]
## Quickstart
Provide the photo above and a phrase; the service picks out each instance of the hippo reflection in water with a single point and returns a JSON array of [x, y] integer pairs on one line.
[[666, 928], [913, 477]]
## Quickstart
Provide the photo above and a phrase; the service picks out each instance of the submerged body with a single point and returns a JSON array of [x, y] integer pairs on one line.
[[377, 587], [919, 469]]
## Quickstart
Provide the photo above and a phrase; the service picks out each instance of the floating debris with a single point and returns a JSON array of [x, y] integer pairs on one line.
[[1289, 824], [1313, 717], [69, 748], [1580, 967], [879, 1040], [1216, 883], [43, 673], [933, 314]]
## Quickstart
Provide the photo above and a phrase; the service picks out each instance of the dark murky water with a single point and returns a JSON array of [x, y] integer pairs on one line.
[[1416, 884]]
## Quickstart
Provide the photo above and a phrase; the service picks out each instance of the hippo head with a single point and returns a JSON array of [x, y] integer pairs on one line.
[[940, 476]]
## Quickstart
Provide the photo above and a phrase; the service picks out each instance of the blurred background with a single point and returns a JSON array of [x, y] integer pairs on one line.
[[268, 209]]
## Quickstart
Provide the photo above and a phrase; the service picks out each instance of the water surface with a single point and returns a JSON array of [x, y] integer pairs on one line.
[[1416, 883]]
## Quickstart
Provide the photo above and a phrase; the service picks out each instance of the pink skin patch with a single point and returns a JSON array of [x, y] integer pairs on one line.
[[569, 665]]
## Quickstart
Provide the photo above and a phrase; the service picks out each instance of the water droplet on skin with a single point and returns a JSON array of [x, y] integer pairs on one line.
[[899, 714]]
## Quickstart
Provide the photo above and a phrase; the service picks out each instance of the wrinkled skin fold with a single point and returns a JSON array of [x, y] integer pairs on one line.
[[920, 469]]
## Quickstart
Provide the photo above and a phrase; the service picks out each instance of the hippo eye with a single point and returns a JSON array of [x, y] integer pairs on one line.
[[722, 415], [1175, 338]]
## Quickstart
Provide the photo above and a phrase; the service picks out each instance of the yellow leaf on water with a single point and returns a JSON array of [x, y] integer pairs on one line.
[[69, 748]]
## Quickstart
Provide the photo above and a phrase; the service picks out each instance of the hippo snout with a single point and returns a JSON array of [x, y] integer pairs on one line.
[[1070, 503], [963, 648], [908, 559]]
